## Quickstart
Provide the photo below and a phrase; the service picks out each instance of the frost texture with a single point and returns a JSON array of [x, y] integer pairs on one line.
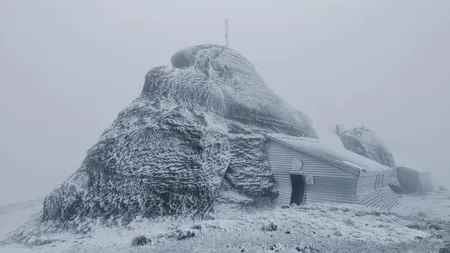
[[167, 153]]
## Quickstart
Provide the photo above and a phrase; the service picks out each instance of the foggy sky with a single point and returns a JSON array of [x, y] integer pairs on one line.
[[68, 67]]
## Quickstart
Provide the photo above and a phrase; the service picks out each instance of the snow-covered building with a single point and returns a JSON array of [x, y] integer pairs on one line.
[[308, 171], [414, 181]]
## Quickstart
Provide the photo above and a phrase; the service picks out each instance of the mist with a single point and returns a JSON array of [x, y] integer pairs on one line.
[[68, 67]]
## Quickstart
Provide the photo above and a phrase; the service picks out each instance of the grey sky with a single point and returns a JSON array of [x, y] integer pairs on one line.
[[68, 67]]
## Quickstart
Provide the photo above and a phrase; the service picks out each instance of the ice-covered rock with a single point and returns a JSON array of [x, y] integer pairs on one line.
[[167, 153], [367, 143], [249, 169]]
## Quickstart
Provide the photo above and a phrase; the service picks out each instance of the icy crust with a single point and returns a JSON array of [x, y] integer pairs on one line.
[[246, 96], [185, 86], [167, 153], [249, 169]]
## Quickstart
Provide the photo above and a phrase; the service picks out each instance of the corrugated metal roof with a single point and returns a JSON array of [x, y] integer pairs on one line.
[[342, 158]]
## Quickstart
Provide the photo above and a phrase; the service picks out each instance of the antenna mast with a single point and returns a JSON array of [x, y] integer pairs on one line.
[[226, 32]]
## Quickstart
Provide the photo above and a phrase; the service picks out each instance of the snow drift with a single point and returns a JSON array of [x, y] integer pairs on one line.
[[167, 153]]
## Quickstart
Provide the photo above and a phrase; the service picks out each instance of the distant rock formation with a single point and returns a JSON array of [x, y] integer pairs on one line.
[[194, 124], [367, 143]]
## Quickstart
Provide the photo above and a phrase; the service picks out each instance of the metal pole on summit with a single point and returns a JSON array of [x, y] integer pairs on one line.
[[226, 32]]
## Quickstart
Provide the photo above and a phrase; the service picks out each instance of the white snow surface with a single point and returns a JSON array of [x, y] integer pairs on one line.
[[435, 205], [328, 227]]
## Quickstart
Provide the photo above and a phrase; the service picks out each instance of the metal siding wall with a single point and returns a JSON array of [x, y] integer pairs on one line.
[[382, 197], [332, 189], [280, 158], [426, 182], [366, 184]]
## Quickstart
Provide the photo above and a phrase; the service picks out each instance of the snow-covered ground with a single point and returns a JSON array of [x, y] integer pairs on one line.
[[435, 205], [413, 226]]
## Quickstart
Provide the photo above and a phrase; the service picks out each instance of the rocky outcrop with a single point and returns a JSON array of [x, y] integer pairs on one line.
[[152, 161], [167, 153], [367, 143]]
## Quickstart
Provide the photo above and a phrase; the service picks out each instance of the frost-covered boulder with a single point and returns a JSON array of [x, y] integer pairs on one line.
[[367, 143], [194, 124], [247, 99], [153, 160]]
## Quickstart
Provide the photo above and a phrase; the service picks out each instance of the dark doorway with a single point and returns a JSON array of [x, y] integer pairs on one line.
[[298, 189]]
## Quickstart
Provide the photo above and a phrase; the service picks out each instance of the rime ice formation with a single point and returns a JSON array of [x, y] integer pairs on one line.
[[367, 143], [194, 124]]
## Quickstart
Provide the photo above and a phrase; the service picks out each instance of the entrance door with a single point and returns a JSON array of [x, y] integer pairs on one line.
[[298, 189]]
